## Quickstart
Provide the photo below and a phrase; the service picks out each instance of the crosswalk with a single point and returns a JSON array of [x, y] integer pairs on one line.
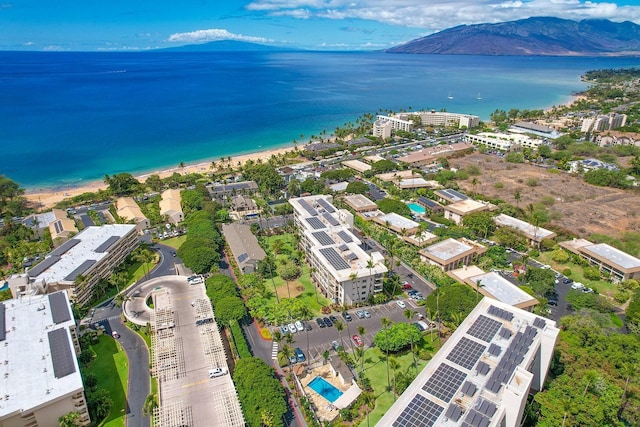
[[274, 351]]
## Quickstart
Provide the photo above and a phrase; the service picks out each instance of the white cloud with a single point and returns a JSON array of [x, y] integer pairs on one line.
[[29, 43], [435, 15], [214, 34]]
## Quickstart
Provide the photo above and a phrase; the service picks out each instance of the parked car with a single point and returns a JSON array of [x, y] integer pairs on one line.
[[333, 319], [284, 329], [360, 314], [327, 322], [577, 286], [587, 290], [336, 345], [366, 314], [567, 281], [406, 286], [292, 328], [347, 316], [299, 326], [299, 355], [320, 322], [115, 334], [356, 339], [217, 372], [422, 326], [401, 304]]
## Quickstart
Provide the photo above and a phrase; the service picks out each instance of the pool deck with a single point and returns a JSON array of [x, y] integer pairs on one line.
[[324, 409]]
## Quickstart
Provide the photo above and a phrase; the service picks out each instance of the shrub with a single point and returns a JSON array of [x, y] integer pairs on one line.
[[397, 337], [498, 185], [240, 341], [532, 182], [591, 273], [567, 272]]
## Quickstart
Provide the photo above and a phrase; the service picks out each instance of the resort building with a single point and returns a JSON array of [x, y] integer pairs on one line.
[[619, 265], [430, 205], [41, 377], [221, 192], [449, 196], [535, 129], [494, 286], [586, 165], [413, 183], [398, 176], [443, 119], [78, 264], [502, 141], [341, 269], [483, 374], [244, 246], [429, 157], [398, 224], [457, 211], [357, 165], [451, 254], [243, 207], [360, 203], [383, 123], [373, 158], [128, 210], [171, 207], [62, 227], [603, 122], [42, 221], [535, 235]]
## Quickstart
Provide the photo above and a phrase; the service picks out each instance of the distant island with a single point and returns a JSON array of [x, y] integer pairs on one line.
[[544, 36], [224, 46]]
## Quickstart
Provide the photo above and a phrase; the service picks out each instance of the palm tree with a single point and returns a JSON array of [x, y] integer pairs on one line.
[[478, 286], [361, 332], [145, 257], [369, 400], [386, 322], [72, 419], [408, 313], [120, 299], [287, 351], [394, 365], [340, 327]]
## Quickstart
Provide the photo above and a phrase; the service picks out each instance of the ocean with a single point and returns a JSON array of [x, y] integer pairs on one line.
[[67, 118]]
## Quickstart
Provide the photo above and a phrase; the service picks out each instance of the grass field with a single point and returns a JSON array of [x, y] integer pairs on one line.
[[111, 359], [175, 242], [601, 286]]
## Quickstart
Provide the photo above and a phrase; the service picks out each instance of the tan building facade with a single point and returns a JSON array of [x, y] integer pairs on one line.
[[451, 254], [128, 209], [170, 206]]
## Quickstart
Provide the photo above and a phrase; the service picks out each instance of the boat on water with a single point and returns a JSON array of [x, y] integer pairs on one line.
[[450, 96], [478, 97]]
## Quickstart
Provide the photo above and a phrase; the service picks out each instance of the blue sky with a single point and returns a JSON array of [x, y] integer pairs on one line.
[[307, 24]]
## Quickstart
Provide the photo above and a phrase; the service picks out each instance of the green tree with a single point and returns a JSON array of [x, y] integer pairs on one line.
[[72, 419], [480, 223], [397, 337], [357, 187], [122, 184], [387, 205], [11, 200], [228, 309]]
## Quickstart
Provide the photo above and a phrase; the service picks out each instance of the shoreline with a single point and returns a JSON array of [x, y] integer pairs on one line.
[[46, 198]]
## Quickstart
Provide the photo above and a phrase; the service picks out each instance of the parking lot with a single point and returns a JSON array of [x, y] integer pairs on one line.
[[315, 341]]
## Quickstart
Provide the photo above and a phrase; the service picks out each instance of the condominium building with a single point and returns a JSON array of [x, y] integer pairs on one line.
[[41, 379], [619, 265], [450, 253], [502, 141], [128, 209], [483, 374], [244, 246], [170, 206], [445, 119], [534, 234], [393, 122], [457, 211], [603, 122], [341, 269], [535, 129], [78, 264]]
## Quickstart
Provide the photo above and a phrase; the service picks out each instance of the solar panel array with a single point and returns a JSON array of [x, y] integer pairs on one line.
[[3, 322], [505, 333], [61, 353], [539, 323], [484, 328], [334, 259], [445, 382], [453, 194], [65, 247], [323, 238], [315, 223], [420, 412], [483, 368], [345, 236], [58, 226], [501, 313], [104, 247], [330, 219], [454, 412], [480, 415], [466, 353], [513, 356], [343, 247], [43, 265], [86, 264], [59, 308], [243, 256], [469, 388], [326, 205], [495, 350], [351, 256], [308, 207]]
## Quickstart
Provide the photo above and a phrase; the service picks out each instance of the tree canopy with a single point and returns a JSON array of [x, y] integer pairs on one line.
[[122, 184], [228, 309], [357, 187], [397, 337], [387, 205]]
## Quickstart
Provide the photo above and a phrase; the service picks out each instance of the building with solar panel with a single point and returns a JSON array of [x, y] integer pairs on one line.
[[78, 264], [40, 377], [341, 269], [483, 374]]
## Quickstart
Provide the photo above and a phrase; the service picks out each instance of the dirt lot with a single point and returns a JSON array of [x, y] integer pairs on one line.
[[578, 207]]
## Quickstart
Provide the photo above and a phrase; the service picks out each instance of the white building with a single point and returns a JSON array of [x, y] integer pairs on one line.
[[483, 374], [534, 234], [90, 255], [341, 269], [384, 125], [446, 119], [502, 141], [604, 122], [41, 379], [535, 129]]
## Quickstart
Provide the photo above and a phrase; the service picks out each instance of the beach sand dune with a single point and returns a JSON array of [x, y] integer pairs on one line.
[[48, 198]]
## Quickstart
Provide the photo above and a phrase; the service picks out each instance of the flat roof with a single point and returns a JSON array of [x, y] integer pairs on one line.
[[466, 206], [92, 243], [37, 369], [357, 165], [448, 249], [451, 195], [358, 201], [536, 233], [613, 255], [374, 158], [397, 221], [503, 290], [394, 176], [464, 383], [415, 182]]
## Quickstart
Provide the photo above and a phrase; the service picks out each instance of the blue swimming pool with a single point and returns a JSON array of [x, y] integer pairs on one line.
[[416, 208], [324, 389]]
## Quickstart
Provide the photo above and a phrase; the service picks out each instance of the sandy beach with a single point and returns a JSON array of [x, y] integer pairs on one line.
[[48, 198]]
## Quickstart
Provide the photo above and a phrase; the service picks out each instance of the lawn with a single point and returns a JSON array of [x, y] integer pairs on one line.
[[375, 370], [308, 295], [602, 286], [175, 242], [138, 270], [110, 359]]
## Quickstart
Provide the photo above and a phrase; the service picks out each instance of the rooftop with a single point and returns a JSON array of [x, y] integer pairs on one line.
[[450, 195], [358, 201], [503, 290], [613, 255], [466, 206], [40, 362], [397, 221], [77, 255], [448, 249], [477, 372], [357, 165], [536, 233]]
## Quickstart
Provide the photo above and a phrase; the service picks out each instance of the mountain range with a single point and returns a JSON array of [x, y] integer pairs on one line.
[[544, 36]]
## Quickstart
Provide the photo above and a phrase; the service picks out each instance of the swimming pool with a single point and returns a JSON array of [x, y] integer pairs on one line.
[[416, 208], [324, 389]]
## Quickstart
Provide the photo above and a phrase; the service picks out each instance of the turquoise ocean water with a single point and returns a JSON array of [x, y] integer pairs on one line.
[[69, 118]]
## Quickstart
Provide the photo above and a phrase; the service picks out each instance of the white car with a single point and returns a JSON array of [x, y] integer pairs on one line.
[[217, 372], [401, 304], [577, 285], [292, 328], [299, 326]]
